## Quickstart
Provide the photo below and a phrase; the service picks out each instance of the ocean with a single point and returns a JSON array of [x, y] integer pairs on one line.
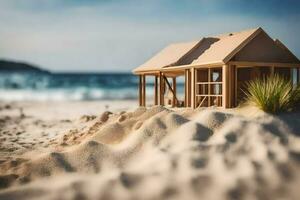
[[35, 86]]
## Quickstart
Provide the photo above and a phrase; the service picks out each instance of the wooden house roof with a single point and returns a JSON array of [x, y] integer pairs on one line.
[[169, 56], [219, 50], [225, 46]]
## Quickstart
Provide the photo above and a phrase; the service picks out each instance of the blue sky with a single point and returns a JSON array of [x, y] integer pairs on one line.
[[118, 35]]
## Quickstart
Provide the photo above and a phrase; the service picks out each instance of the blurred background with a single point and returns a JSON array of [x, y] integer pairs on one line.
[[85, 50]]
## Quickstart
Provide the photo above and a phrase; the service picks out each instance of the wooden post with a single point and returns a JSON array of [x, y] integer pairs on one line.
[[193, 83], [225, 86], [143, 90], [140, 90], [230, 85], [233, 73], [235, 85], [155, 90], [187, 88], [209, 86], [174, 102], [272, 70], [161, 89]]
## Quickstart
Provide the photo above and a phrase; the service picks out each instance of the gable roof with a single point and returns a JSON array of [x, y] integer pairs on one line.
[[167, 57], [264, 49], [209, 50], [225, 46]]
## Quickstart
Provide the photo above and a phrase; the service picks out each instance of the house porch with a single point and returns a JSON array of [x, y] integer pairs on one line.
[[220, 86]]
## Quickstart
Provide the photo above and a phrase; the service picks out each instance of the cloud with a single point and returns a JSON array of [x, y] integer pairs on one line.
[[116, 35]]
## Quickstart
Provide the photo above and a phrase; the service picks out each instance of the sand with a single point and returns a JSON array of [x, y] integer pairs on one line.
[[87, 150]]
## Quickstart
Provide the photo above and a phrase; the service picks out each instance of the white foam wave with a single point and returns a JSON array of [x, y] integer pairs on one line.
[[78, 94]]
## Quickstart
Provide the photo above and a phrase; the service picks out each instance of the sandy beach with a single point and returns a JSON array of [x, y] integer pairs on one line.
[[114, 150]]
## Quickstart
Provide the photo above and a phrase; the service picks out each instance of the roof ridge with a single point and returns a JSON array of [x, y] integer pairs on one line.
[[239, 32]]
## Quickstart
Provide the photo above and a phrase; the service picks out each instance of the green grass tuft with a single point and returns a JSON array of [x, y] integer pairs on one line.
[[273, 94]]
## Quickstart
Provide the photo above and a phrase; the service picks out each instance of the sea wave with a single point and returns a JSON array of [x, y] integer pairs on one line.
[[77, 94], [72, 87]]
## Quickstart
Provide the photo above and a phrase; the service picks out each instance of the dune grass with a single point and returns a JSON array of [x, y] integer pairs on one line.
[[273, 94]]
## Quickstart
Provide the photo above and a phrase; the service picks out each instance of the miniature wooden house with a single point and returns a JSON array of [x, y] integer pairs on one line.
[[215, 69]]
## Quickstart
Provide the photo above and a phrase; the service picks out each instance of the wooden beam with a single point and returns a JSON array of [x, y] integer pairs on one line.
[[161, 89], [155, 90], [143, 90], [140, 90], [262, 64], [146, 72], [202, 101], [209, 86], [174, 102], [190, 66], [225, 86], [189, 88], [185, 88], [170, 88], [231, 86], [193, 83], [235, 84]]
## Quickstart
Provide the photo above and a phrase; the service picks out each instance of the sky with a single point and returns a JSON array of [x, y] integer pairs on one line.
[[119, 35]]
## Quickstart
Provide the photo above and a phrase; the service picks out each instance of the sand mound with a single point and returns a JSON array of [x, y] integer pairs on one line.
[[157, 153]]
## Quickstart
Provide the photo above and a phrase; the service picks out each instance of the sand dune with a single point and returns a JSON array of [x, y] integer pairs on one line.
[[157, 153]]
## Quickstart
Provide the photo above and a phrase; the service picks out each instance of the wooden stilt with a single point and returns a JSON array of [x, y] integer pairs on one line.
[[185, 88], [174, 102], [209, 86], [161, 89], [230, 85], [235, 85], [155, 90], [190, 88], [144, 90], [225, 86], [140, 90], [193, 83]]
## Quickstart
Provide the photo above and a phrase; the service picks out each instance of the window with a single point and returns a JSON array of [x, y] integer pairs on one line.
[[209, 87]]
